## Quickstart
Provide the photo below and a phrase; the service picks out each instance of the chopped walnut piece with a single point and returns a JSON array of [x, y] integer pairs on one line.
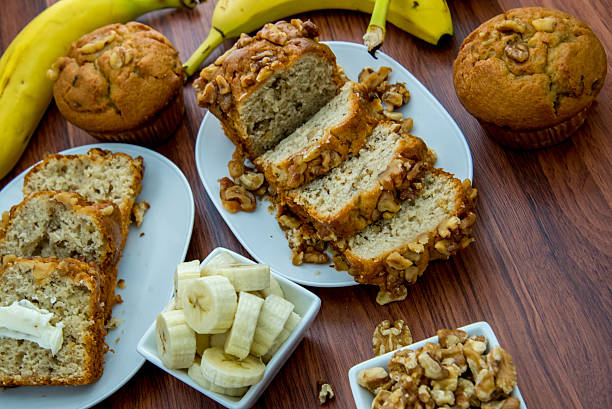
[[251, 180], [433, 369], [236, 164], [518, 52], [449, 337], [500, 363], [395, 96], [443, 397], [485, 385], [385, 297], [389, 337], [372, 79], [326, 393], [374, 379], [235, 197]]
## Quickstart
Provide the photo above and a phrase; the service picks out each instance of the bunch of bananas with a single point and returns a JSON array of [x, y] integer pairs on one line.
[[25, 90]]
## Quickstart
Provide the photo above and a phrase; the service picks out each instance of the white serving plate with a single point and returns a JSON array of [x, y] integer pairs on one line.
[[147, 266], [259, 232], [363, 397], [306, 305]]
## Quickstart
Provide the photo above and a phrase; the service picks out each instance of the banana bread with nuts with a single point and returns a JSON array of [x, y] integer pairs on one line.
[[266, 86], [338, 129], [62, 224], [396, 251], [96, 175], [364, 187], [67, 295]]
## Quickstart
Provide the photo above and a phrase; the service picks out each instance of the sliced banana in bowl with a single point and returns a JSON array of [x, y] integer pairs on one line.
[[239, 341]]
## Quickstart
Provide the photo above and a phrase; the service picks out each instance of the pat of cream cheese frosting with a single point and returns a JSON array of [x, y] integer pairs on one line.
[[24, 320]]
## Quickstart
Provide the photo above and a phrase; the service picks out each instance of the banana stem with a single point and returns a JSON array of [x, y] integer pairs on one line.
[[375, 34], [215, 37]]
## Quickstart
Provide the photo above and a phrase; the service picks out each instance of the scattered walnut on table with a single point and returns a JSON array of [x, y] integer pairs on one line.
[[235, 197], [326, 393], [389, 337]]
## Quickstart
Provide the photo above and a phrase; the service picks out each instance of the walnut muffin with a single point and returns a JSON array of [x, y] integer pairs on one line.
[[121, 83], [530, 75]]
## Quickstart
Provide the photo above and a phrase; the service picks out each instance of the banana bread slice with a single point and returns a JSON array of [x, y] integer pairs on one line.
[[321, 143], [364, 187], [433, 225], [63, 225], [266, 86], [97, 175], [68, 290]]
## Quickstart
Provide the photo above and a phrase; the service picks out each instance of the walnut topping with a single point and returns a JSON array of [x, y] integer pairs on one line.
[[387, 203], [98, 43], [263, 74], [433, 376], [397, 261], [251, 180], [546, 24], [385, 297], [107, 210], [224, 87], [372, 79], [208, 95], [273, 34], [510, 26], [518, 52], [235, 197], [406, 125], [394, 116], [395, 96], [236, 164], [115, 60], [389, 338], [374, 379]]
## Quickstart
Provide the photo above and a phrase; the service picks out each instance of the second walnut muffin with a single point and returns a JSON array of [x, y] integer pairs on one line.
[[121, 83], [529, 75]]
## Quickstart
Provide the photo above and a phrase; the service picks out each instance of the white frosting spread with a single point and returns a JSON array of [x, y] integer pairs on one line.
[[24, 320]]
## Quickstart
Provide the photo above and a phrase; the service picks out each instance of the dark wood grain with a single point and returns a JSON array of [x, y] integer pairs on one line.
[[539, 271]]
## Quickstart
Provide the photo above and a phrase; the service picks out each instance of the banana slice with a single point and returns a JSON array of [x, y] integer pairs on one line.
[[221, 259], [176, 342], [218, 340], [202, 342], [183, 273], [250, 277], [272, 318], [209, 304], [274, 288], [240, 338], [230, 372], [290, 326], [195, 373], [171, 305]]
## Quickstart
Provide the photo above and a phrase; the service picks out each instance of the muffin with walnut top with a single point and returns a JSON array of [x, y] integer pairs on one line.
[[530, 75], [121, 83]]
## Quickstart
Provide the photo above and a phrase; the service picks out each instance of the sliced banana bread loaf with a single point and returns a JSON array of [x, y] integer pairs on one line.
[[435, 224], [364, 187], [97, 175], [51, 322], [266, 86], [322, 142], [61, 224]]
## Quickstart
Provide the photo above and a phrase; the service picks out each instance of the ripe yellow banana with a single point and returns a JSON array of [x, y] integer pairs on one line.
[[25, 91], [426, 19]]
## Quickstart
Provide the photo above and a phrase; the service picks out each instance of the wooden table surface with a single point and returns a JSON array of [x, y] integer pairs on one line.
[[539, 271]]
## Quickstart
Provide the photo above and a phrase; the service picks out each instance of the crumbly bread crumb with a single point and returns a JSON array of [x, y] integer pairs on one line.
[[70, 290], [96, 175], [61, 224], [338, 129]]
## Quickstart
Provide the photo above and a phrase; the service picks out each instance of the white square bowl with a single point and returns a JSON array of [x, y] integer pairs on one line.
[[307, 306], [363, 397]]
